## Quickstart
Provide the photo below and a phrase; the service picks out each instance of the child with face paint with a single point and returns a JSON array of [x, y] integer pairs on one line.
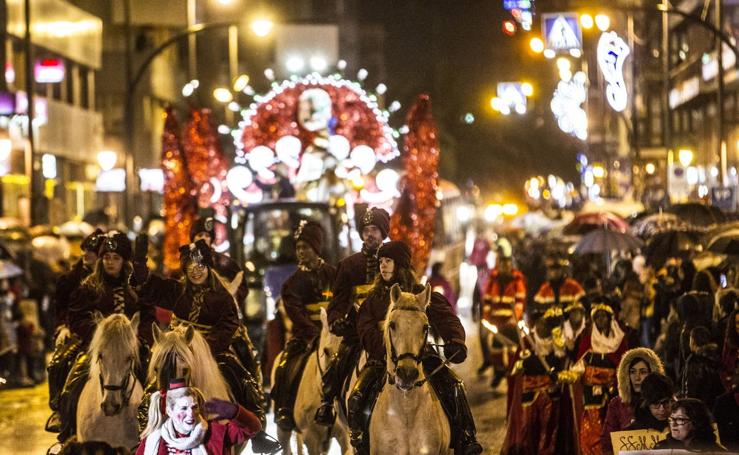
[[177, 423]]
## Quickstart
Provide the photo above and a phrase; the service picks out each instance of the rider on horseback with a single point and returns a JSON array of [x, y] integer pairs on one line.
[[108, 290], [395, 268], [67, 347], [354, 277], [303, 294], [201, 301]]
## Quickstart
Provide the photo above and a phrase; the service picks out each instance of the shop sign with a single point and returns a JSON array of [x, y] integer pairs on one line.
[[724, 198], [49, 70]]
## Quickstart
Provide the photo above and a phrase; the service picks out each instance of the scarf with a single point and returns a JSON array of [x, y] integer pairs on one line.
[[606, 345], [571, 334], [195, 441], [373, 264], [198, 296]]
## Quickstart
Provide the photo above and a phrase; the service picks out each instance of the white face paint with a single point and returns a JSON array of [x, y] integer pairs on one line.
[[185, 414]]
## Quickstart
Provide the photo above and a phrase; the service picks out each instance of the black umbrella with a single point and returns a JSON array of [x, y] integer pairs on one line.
[[671, 244], [725, 245], [604, 241], [699, 215]]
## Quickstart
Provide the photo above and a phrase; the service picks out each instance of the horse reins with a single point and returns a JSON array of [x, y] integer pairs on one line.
[[122, 387]]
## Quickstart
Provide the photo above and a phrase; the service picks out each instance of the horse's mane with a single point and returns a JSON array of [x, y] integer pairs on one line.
[[204, 371], [115, 337]]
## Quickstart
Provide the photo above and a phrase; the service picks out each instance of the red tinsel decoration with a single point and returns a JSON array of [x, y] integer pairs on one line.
[[179, 210], [413, 219], [354, 119], [207, 166]]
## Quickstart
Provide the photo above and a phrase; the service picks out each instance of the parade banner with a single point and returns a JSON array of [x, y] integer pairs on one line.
[[635, 440]]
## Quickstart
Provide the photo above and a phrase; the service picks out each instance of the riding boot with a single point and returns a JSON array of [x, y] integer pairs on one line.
[[287, 380], [451, 393], [243, 348], [334, 378], [71, 395], [361, 403], [58, 370]]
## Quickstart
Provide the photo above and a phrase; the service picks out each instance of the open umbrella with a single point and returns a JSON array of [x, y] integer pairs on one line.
[[604, 241], [533, 222], [652, 225], [697, 214], [9, 270], [666, 245], [586, 222]]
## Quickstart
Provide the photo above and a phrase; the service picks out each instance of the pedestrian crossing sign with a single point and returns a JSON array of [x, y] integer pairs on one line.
[[561, 31]]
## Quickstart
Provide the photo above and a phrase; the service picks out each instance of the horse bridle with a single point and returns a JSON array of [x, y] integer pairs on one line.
[[417, 358], [123, 386]]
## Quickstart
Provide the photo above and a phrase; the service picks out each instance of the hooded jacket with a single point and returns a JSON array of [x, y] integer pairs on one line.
[[620, 411]]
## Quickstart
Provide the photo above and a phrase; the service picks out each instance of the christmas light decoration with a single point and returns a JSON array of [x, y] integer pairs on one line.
[[413, 219], [612, 52], [179, 207], [207, 166]]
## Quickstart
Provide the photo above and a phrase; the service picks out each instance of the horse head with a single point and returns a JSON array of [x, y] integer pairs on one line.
[[114, 357], [183, 352], [171, 356], [405, 332], [328, 344]]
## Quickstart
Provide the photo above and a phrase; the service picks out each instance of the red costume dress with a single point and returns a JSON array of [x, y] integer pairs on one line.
[[598, 359]]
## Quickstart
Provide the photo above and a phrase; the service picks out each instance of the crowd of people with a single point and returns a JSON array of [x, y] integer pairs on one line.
[[640, 347]]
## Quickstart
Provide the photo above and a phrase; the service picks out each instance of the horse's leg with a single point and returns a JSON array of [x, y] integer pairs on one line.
[[313, 440], [283, 436], [341, 434]]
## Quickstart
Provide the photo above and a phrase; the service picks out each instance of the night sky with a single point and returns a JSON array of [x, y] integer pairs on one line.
[[456, 51]]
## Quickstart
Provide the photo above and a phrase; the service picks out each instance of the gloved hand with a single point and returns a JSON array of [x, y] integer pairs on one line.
[[142, 247], [459, 351], [221, 408], [341, 327]]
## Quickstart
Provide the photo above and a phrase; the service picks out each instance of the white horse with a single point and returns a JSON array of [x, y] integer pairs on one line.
[[316, 438], [408, 417], [109, 400], [184, 353]]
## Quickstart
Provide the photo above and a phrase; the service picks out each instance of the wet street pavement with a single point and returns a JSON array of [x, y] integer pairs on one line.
[[23, 412]]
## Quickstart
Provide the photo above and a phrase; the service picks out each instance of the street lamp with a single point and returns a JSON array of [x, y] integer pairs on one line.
[[537, 45], [586, 20], [603, 22], [107, 159], [222, 95], [527, 89], [685, 156], [262, 27]]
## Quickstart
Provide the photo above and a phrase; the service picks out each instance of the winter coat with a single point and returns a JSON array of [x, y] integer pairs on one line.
[[701, 376], [350, 288], [502, 300], [214, 310], [569, 292], [220, 438], [674, 444], [86, 300], [374, 309], [620, 412], [304, 294], [726, 414], [644, 420], [65, 287]]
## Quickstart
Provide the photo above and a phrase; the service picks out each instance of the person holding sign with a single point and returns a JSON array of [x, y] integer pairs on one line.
[[635, 366], [691, 428]]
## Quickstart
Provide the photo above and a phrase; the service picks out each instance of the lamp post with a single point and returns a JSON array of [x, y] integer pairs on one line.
[[261, 28]]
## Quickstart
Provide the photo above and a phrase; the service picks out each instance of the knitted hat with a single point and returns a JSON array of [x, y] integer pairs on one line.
[[207, 225], [198, 252], [376, 216], [398, 252], [92, 241], [655, 388], [311, 233], [116, 242]]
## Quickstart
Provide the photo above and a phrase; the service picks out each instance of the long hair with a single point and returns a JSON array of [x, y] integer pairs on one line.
[[214, 282], [405, 278], [96, 282], [157, 417]]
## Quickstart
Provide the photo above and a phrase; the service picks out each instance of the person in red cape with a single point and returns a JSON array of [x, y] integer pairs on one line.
[[534, 394], [177, 424], [599, 355]]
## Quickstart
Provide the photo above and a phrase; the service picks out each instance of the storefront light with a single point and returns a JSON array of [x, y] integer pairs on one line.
[[6, 146], [107, 159], [650, 168], [685, 156], [48, 166]]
